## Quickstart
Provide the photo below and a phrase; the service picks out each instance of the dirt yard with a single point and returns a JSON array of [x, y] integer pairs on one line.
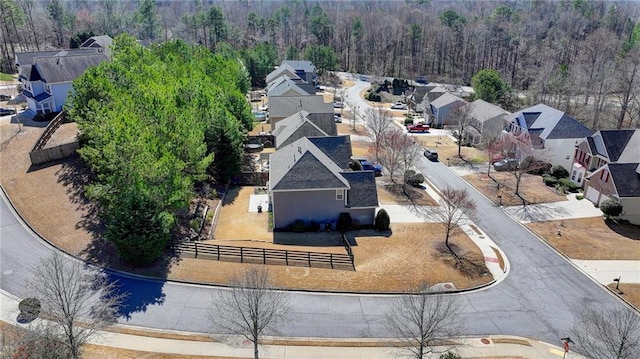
[[532, 189], [591, 238]]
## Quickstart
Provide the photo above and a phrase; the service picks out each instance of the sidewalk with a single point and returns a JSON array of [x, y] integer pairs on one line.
[[238, 347], [569, 209]]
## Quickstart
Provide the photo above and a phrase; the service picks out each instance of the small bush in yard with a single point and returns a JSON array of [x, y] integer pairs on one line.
[[569, 185], [413, 178], [314, 226], [558, 171], [344, 222], [408, 121], [549, 180], [611, 208], [382, 221], [297, 226], [450, 355]]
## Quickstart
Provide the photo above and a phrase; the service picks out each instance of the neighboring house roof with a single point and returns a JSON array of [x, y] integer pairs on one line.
[[363, 192], [306, 66], [303, 166], [626, 179], [338, 148], [612, 144], [283, 70], [554, 124], [65, 68], [483, 111], [446, 100], [295, 127], [29, 73], [284, 86], [284, 106], [102, 41]]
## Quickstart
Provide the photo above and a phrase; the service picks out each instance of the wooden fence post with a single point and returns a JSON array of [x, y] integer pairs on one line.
[[286, 256], [264, 256], [196, 245], [218, 247], [241, 256], [309, 258], [331, 259]]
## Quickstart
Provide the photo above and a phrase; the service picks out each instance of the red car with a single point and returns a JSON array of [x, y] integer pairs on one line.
[[419, 127]]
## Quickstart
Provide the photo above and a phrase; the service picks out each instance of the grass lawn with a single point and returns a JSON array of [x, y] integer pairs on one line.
[[5, 77], [627, 291], [532, 189]]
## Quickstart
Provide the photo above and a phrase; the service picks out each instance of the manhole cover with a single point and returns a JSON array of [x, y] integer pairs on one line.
[[485, 341]]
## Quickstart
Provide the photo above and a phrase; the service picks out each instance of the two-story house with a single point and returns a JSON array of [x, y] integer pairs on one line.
[[607, 165], [46, 77], [486, 120], [310, 180], [443, 106], [552, 133]]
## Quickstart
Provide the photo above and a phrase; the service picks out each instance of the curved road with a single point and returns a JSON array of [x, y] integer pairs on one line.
[[540, 298]]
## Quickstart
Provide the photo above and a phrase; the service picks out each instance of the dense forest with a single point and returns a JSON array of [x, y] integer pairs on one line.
[[580, 56]]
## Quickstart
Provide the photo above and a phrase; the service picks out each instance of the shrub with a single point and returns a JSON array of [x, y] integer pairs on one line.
[[539, 168], [611, 208], [549, 180], [569, 185], [297, 226], [449, 355], [579, 197], [344, 222], [195, 224], [372, 96], [558, 171], [382, 220], [413, 178], [314, 226], [408, 121]]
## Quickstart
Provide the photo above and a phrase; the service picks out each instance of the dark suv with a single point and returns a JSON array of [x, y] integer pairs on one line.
[[431, 155]]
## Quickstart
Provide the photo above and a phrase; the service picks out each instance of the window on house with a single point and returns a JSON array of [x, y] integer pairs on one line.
[[602, 175], [339, 195], [573, 175], [579, 177], [606, 180]]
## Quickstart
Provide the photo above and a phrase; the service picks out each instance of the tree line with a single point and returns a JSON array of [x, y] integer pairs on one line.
[[579, 56]]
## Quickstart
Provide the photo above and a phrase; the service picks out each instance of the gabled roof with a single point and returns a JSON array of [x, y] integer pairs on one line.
[[66, 68], [24, 58], [338, 148], [363, 192], [102, 41], [303, 166], [626, 179], [284, 86], [306, 66], [283, 70], [29, 73], [555, 124], [612, 143], [295, 127], [483, 111], [445, 100], [284, 106]]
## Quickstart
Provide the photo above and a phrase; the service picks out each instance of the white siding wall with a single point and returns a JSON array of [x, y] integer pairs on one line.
[[631, 210], [558, 152]]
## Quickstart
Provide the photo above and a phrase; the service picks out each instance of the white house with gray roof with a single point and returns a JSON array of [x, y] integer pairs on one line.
[[485, 120], [47, 76], [553, 134], [310, 180]]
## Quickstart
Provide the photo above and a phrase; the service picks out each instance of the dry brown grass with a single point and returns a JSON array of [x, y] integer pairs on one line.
[[396, 193], [627, 291], [591, 238], [532, 189]]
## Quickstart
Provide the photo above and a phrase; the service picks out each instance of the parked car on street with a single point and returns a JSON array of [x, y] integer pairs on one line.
[[418, 127], [338, 105], [507, 164], [430, 154], [368, 166], [398, 106], [4, 97], [7, 111], [337, 119]]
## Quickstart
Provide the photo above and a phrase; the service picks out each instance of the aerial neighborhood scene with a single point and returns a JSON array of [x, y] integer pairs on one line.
[[319, 179]]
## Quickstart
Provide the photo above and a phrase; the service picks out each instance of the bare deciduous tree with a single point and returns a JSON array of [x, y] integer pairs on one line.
[[608, 333], [397, 151], [78, 300], [251, 307], [377, 122], [423, 320], [459, 121], [455, 209]]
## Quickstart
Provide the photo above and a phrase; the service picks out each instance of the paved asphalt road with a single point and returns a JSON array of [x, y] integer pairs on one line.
[[540, 298]]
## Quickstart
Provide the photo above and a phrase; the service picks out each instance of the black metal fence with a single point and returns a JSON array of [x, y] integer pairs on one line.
[[267, 255]]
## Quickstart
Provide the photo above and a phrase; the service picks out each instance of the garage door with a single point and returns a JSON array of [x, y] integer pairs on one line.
[[592, 194]]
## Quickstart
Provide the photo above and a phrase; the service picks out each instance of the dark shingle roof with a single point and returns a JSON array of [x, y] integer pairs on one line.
[[291, 133], [626, 179], [307, 66], [592, 146], [568, 127], [530, 118], [303, 166], [338, 148], [363, 191], [66, 68], [102, 41], [615, 141]]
